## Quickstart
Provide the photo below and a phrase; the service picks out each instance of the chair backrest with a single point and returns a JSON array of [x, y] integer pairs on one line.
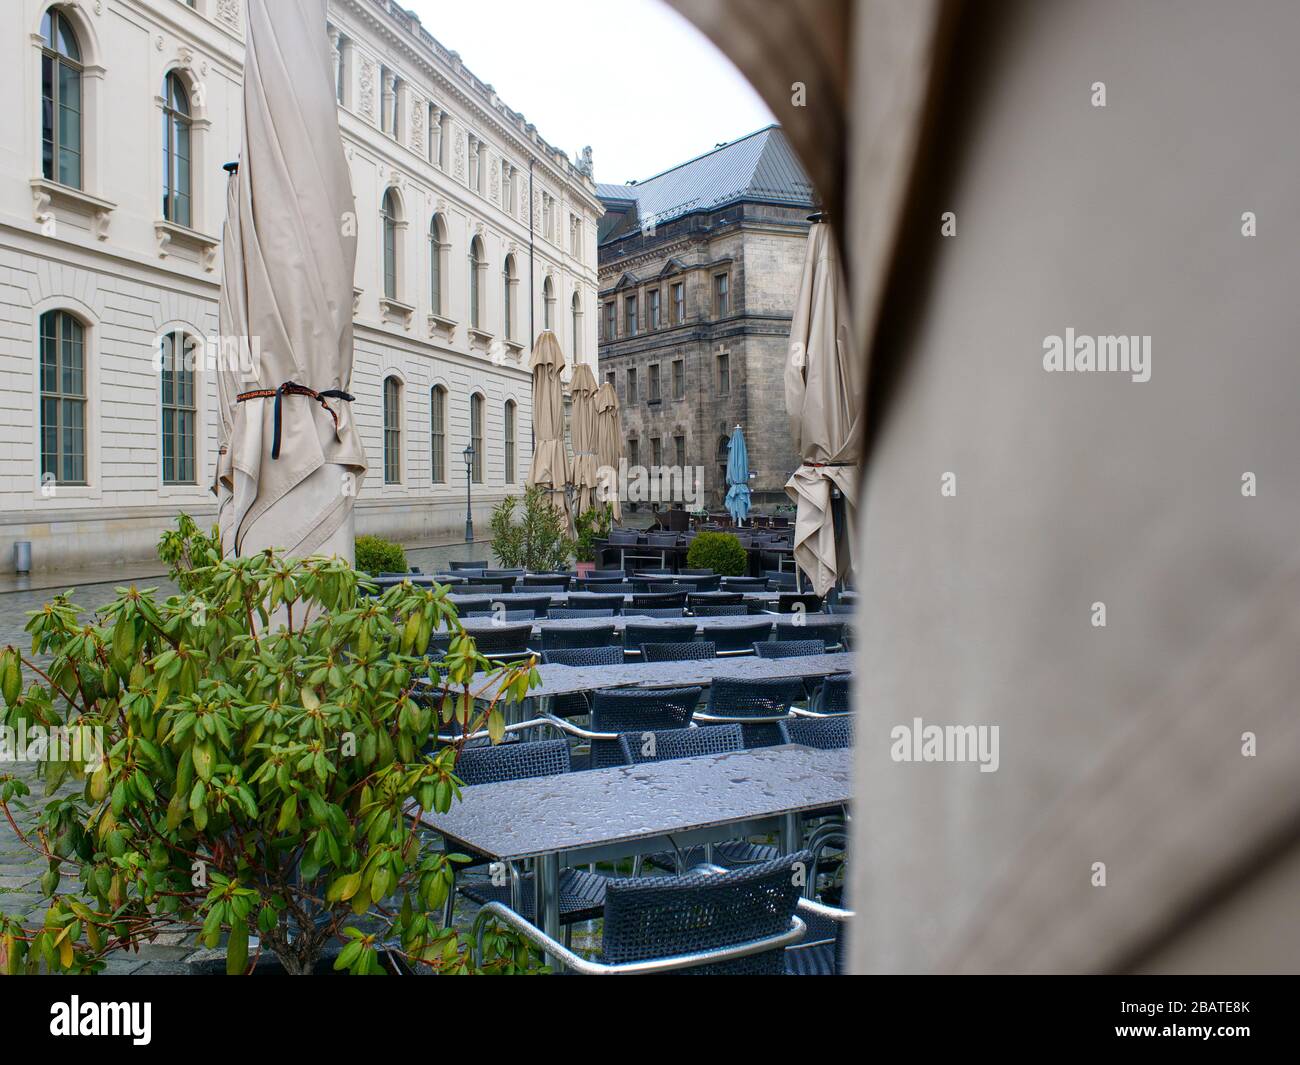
[[831, 635], [538, 604], [482, 586], [499, 583], [504, 639], [595, 601], [610, 655], [841, 608], [661, 539], [472, 602], [779, 580], [508, 571], [726, 610], [661, 611], [663, 916], [677, 598], [666, 744], [706, 583], [666, 587], [699, 599], [678, 652], [593, 636], [532, 580], [604, 575], [512, 761], [635, 635], [678, 520], [705, 572], [740, 637], [787, 602], [789, 648], [623, 537], [744, 584], [760, 697], [558, 612], [824, 733], [480, 566], [833, 695], [634, 710]]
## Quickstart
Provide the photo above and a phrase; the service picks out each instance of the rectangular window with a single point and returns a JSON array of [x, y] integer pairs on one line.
[[653, 297], [679, 379], [510, 443], [613, 383], [721, 295], [631, 385], [656, 451], [179, 412], [63, 399], [629, 316], [392, 431], [679, 450], [438, 434], [476, 437], [654, 396], [679, 303], [633, 452], [724, 373], [610, 312]]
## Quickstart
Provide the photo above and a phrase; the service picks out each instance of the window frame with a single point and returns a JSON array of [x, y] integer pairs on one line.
[[61, 316], [178, 339], [438, 434], [392, 429], [53, 57], [175, 120]]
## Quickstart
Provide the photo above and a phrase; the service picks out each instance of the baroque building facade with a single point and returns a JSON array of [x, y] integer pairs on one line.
[[473, 234], [699, 269]]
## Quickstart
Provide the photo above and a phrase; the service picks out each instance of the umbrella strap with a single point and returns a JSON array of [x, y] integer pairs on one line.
[[827, 465], [291, 389]]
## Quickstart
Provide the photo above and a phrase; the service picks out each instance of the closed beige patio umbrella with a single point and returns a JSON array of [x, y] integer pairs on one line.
[[609, 444], [583, 427], [550, 465], [295, 460], [824, 401]]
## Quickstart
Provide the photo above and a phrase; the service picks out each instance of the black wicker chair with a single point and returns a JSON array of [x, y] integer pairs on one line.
[[637, 710], [472, 602], [723, 610], [635, 635], [587, 636], [789, 648], [841, 608], [538, 604], [833, 696], [789, 602], [582, 894], [556, 613], [698, 598], [665, 588], [705, 572], [780, 580], [550, 581], [504, 641], [659, 599], [744, 584], [831, 635], [755, 697], [824, 733], [479, 586], [666, 744], [695, 650], [576, 704], [594, 601], [601, 575], [660, 612], [740, 639], [486, 583], [480, 566]]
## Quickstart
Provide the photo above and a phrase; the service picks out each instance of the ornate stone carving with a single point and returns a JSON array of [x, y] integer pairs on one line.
[[367, 85], [460, 155], [228, 12], [417, 124]]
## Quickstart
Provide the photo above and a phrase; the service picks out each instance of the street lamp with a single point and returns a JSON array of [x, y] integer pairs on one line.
[[469, 498]]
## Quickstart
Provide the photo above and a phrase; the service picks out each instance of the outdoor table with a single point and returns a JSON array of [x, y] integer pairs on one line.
[[418, 578], [562, 598], [576, 819], [621, 622]]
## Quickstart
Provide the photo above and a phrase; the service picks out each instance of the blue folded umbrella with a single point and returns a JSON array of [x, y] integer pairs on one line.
[[737, 501]]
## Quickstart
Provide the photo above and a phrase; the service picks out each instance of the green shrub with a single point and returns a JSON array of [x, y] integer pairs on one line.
[[592, 525], [375, 555], [258, 742], [533, 537], [718, 551]]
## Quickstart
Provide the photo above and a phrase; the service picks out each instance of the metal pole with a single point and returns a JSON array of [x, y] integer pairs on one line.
[[546, 897], [469, 503]]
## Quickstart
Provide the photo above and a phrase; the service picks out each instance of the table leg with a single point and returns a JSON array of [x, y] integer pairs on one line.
[[546, 898], [790, 833]]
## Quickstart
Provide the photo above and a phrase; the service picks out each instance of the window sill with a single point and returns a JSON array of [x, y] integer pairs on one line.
[[440, 326], [480, 337], [47, 195], [171, 236], [396, 312]]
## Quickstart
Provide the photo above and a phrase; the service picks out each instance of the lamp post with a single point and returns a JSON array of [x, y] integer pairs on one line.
[[469, 493]]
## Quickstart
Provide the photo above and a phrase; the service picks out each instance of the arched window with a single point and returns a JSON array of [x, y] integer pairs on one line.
[[507, 297], [476, 436], [437, 271], [476, 264], [392, 431], [548, 304], [438, 434], [390, 218], [179, 410], [510, 441], [61, 100], [575, 308], [63, 398], [177, 156]]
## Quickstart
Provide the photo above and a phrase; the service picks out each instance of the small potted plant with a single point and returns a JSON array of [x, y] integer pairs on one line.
[[592, 525]]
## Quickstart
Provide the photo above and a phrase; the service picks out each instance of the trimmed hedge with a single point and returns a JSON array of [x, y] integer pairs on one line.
[[718, 551], [375, 555]]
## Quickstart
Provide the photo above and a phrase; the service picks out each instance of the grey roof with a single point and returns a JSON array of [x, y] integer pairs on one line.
[[758, 167]]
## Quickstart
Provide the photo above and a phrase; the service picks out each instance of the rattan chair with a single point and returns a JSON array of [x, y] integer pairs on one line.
[[587, 636], [761, 697], [824, 733], [789, 602], [556, 613], [740, 639], [698, 599], [504, 641], [660, 611], [721, 610], [593, 601], [666, 744], [552, 582], [486, 583], [480, 566], [635, 635], [538, 604], [695, 650], [833, 695], [831, 635], [744, 584], [789, 648], [577, 704], [677, 598], [637, 710]]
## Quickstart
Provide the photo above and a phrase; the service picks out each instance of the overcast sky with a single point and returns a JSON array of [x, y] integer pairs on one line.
[[629, 77]]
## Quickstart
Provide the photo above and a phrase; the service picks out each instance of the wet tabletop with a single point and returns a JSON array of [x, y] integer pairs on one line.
[[621, 621], [546, 815], [565, 680]]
